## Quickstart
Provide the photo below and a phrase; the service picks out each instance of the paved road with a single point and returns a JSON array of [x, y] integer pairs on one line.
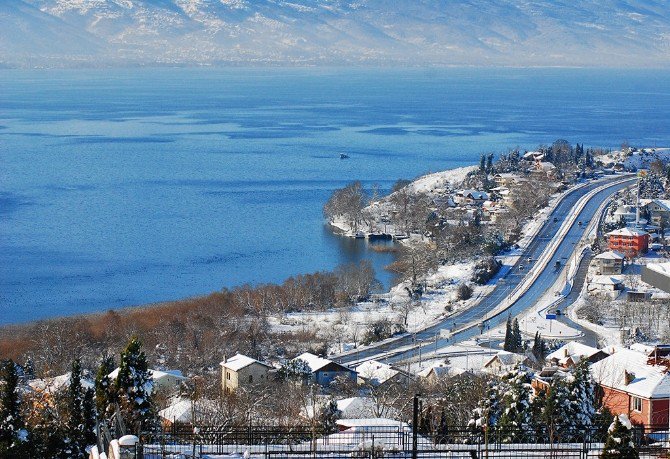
[[507, 284]]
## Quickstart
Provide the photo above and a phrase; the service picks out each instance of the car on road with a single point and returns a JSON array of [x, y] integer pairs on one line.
[[520, 267], [555, 219]]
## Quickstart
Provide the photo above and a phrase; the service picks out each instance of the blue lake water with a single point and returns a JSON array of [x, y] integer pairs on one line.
[[124, 187]]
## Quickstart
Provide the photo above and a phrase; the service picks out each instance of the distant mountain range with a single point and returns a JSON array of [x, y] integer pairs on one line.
[[66, 33]]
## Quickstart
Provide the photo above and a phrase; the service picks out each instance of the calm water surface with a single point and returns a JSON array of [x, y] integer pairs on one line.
[[123, 187]]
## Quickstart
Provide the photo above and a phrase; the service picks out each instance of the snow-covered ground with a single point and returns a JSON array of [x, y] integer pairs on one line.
[[639, 159]]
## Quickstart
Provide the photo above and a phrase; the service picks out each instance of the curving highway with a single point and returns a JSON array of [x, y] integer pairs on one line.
[[404, 347]]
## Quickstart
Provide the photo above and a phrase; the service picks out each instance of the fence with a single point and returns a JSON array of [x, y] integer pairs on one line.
[[377, 442]]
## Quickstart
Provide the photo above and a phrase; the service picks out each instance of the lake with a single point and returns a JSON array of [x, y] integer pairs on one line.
[[130, 186]]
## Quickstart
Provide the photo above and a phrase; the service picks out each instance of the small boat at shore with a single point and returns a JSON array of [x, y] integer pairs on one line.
[[359, 235], [344, 156]]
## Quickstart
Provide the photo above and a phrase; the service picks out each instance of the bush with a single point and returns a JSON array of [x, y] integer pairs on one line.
[[485, 270], [381, 330], [464, 292]]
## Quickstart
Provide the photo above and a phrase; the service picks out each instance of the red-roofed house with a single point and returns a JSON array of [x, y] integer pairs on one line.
[[631, 242]]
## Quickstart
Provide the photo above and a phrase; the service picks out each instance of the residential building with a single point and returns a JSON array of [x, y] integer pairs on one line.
[[325, 371], [163, 380], [609, 262], [377, 373], [609, 286], [244, 372], [636, 384], [434, 375], [574, 352], [505, 361], [628, 241], [471, 197], [659, 212], [657, 275]]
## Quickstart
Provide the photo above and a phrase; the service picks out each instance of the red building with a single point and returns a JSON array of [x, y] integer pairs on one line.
[[630, 242], [635, 383]]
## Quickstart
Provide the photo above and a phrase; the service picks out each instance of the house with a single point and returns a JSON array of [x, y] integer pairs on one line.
[[434, 375], [625, 213], [504, 361], [244, 372], [544, 168], [377, 373], [183, 411], [542, 379], [609, 262], [506, 179], [324, 371], [657, 275], [574, 352], [471, 197], [659, 211], [354, 408], [57, 383], [631, 382], [606, 285], [163, 380], [628, 241]]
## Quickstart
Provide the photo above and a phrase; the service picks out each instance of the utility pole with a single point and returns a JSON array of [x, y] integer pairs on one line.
[[415, 426]]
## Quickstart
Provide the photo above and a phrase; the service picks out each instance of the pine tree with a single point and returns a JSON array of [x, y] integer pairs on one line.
[[515, 420], [13, 434], [509, 340], [488, 411], [482, 164], [77, 422], [557, 413], [517, 340], [537, 405], [539, 347], [329, 415], [134, 387], [104, 389], [619, 443], [489, 163], [582, 397]]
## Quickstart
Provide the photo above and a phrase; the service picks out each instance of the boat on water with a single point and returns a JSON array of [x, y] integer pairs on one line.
[[344, 156], [359, 235]]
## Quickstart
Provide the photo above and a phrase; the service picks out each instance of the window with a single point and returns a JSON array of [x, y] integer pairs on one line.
[[251, 378], [228, 375], [636, 403]]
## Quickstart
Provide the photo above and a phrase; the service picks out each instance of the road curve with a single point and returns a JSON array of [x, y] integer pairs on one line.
[[403, 348]]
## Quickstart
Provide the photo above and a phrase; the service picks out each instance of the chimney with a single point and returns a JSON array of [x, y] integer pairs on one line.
[[224, 359], [628, 377]]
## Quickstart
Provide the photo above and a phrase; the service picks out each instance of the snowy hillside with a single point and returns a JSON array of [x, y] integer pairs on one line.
[[428, 32]]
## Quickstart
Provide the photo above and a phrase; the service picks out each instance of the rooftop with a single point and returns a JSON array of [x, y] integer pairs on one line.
[[239, 361], [630, 371]]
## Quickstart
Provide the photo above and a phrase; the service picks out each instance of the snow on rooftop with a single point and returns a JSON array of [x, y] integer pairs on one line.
[[376, 372], [573, 349], [370, 422], [610, 255], [627, 232], [57, 383], [606, 280], [155, 374], [628, 370], [239, 361], [661, 268], [314, 362]]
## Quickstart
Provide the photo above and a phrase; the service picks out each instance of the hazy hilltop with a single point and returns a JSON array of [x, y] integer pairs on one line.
[[620, 33]]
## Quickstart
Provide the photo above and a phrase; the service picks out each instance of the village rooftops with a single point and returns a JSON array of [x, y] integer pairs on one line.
[[239, 361], [610, 255], [627, 232], [57, 383], [376, 372], [155, 374], [575, 352], [633, 372], [606, 280]]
